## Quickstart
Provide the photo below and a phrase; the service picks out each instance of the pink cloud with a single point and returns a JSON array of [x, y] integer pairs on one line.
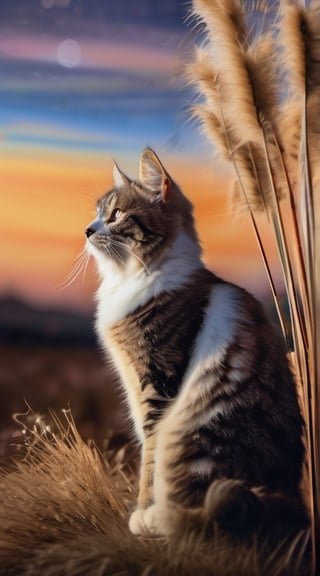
[[101, 54]]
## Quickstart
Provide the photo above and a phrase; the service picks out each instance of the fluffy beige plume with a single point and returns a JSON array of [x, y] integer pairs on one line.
[[299, 125], [288, 126], [212, 129], [313, 45], [236, 77], [260, 64], [234, 11], [300, 43], [292, 27], [226, 52], [247, 162], [253, 174], [201, 72], [253, 189]]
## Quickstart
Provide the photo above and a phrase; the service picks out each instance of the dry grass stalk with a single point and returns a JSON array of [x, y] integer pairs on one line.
[[268, 95]]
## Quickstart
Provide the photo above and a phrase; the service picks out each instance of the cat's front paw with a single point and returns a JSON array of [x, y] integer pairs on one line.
[[145, 522]]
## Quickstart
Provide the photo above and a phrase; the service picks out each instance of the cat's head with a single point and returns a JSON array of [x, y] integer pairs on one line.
[[137, 222]]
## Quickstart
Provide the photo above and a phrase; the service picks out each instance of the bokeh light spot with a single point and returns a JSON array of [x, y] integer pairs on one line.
[[69, 53]]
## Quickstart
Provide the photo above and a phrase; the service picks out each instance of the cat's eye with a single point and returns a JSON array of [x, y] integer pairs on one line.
[[115, 215]]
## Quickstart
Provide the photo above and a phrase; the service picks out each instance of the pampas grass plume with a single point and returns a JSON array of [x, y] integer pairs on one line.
[[268, 96]]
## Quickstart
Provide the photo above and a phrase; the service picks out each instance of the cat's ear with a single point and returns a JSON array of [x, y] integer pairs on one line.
[[119, 178], [153, 175]]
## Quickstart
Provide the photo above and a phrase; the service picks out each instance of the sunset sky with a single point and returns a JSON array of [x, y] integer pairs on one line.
[[83, 82]]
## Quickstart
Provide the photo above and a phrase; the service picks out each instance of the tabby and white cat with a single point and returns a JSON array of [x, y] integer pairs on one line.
[[207, 380]]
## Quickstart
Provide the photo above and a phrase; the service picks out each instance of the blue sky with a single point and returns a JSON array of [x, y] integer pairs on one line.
[[139, 103]]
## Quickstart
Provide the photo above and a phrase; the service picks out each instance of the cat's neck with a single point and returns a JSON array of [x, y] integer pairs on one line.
[[122, 292]]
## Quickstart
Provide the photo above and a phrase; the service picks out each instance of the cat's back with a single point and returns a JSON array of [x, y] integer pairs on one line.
[[252, 414]]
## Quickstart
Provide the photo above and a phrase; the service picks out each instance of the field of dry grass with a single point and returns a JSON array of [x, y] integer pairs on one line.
[[64, 511], [65, 505], [57, 378]]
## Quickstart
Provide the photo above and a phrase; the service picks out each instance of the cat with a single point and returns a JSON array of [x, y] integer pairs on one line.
[[210, 391]]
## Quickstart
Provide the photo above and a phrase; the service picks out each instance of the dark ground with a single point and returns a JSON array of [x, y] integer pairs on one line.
[[56, 378]]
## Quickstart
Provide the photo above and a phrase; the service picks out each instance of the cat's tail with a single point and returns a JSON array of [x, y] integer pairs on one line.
[[241, 511]]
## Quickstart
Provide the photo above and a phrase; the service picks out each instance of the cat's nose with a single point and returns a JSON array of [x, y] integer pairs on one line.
[[89, 231]]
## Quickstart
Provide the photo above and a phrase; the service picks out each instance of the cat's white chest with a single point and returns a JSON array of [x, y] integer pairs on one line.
[[121, 293], [118, 297]]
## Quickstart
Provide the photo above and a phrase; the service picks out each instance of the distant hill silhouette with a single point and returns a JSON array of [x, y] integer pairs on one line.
[[24, 323]]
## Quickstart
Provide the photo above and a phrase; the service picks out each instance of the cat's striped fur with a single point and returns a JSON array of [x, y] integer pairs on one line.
[[207, 379]]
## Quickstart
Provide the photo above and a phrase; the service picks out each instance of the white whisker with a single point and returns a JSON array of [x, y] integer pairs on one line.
[[115, 254], [129, 251], [85, 267], [80, 265]]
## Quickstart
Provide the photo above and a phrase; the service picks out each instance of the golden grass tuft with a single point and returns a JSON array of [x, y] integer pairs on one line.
[[64, 511]]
